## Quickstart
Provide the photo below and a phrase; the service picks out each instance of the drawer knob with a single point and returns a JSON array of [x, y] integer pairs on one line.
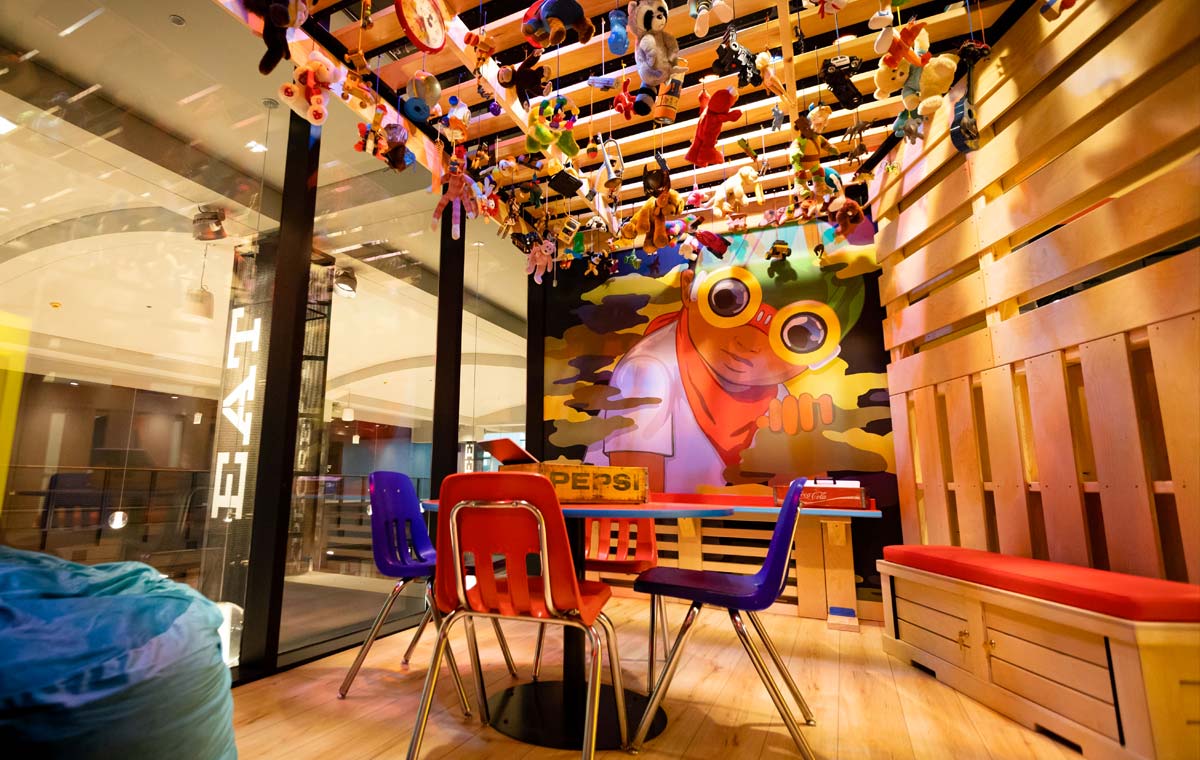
[[963, 637], [991, 645]]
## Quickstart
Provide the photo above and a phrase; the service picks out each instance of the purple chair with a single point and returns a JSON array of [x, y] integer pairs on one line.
[[737, 593], [403, 550]]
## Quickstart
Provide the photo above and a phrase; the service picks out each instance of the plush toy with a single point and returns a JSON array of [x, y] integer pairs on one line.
[[397, 155], [716, 110], [936, 78], [846, 214], [657, 52], [771, 81], [804, 155], [541, 259], [547, 21], [618, 38], [733, 195], [552, 122], [306, 93], [623, 101], [889, 79], [895, 46], [705, 10], [527, 80], [371, 137], [650, 220], [455, 123], [278, 17], [461, 191], [818, 116], [484, 46], [734, 58]]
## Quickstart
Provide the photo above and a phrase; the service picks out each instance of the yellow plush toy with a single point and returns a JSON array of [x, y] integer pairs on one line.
[[650, 220], [888, 80], [936, 78]]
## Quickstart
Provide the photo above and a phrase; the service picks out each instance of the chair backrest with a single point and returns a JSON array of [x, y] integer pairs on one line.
[[399, 539], [488, 524], [773, 574], [634, 537]]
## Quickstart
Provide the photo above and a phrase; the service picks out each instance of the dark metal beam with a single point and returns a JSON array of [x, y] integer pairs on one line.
[[535, 369], [448, 364]]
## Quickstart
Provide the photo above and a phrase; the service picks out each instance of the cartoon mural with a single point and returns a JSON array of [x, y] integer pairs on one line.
[[729, 372]]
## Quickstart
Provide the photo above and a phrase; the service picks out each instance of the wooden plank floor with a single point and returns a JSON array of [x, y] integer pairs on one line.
[[867, 705]]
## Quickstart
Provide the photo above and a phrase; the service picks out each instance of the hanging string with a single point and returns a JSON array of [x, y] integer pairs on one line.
[[982, 28], [970, 23]]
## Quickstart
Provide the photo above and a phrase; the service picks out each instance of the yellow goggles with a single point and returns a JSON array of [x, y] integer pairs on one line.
[[804, 333]]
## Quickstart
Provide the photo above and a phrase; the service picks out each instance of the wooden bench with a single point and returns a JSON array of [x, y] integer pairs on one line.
[[1106, 662]]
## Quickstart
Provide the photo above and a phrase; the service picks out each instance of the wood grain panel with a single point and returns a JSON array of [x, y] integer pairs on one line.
[[1146, 138], [1174, 348], [1077, 674], [964, 355], [1075, 705], [1162, 291], [1008, 472], [933, 477], [964, 457], [943, 254], [910, 518], [1054, 448], [1103, 239], [948, 305], [1126, 499]]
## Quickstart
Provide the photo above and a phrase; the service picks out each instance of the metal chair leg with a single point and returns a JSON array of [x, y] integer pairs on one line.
[[664, 679], [537, 652], [765, 676], [782, 668], [485, 715], [593, 697], [408, 653], [508, 660], [614, 667], [650, 653], [440, 648], [371, 636], [664, 629], [452, 665]]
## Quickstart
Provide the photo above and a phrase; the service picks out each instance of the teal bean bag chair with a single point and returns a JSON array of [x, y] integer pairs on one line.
[[108, 661]]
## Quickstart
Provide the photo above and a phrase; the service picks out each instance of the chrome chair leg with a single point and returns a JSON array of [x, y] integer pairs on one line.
[[593, 697], [371, 636], [765, 676], [408, 653], [663, 628], [537, 652], [614, 667], [508, 660], [664, 679], [440, 648], [782, 668], [451, 664], [485, 715], [650, 653]]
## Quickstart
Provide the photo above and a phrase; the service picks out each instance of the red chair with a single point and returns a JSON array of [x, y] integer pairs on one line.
[[513, 515], [625, 546]]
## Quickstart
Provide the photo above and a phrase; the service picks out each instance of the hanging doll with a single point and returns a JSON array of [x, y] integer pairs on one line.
[[278, 17], [657, 52], [527, 80], [547, 21], [460, 190], [306, 93], [716, 111], [771, 81], [541, 259], [804, 155], [618, 38]]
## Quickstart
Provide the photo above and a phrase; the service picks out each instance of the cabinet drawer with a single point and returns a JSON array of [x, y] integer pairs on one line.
[[933, 643], [1074, 705], [927, 596]]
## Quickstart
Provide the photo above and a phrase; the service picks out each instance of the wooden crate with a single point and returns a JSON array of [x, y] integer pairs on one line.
[[585, 483]]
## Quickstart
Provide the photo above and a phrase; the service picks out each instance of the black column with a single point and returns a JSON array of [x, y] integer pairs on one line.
[[535, 370], [448, 365], [280, 402]]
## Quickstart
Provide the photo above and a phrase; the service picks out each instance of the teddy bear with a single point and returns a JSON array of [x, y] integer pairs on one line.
[[657, 52], [650, 220], [278, 16], [936, 78], [889, 79], [716, 110], [306, 93], [547, 21], [733, 195], [527, 79]]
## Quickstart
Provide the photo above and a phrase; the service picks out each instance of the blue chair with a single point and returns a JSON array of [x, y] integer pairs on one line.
[[738, 594], [403, 550]]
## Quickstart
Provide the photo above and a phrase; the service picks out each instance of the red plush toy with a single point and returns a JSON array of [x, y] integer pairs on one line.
[[716, 110]]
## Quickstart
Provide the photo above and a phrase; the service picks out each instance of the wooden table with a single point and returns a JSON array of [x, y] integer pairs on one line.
[[551, 713]]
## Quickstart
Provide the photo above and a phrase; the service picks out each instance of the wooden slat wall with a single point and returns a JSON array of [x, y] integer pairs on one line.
[[1066, 428]]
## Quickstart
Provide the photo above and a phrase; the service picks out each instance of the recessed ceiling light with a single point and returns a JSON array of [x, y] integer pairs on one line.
[[174, 397], [478, 244], [254, 146], [6, 126], [177, 20], [74, 382], [83, 93], [75, 27]]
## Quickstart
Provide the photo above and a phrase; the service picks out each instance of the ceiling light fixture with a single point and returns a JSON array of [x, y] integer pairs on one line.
[[345, 282], [75, 27], [6, 126], [207, 224], [388, 255], [254, 146], [198, 302], [177, 20], [355, 439]]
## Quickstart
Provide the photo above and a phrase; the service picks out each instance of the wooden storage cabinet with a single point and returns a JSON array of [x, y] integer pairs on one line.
[[1112, 688]]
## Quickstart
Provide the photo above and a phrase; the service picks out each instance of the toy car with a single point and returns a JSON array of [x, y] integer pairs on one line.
[[836, 73]]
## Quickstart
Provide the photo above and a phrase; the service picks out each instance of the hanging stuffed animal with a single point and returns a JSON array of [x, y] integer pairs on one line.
[[527, 80], [818, 116], [397, 155], [541, 259], [650, 220], [618, 37], [455, 123], [371, 137], [771, 81], [623, 101], [732, 197], [483, 45], [460, 191], [889, 79], [937, 77], [552, 122], [882, 18], [804, 155], [657, 52], [894, 46], [278, 16], [306, 93], [704, 11], [547, 21], [716, 111]]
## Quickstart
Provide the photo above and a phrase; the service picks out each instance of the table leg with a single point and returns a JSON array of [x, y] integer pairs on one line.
[[840, 587]]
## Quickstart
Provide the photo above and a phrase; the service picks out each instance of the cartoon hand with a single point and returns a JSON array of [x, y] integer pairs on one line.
[[797, 414]]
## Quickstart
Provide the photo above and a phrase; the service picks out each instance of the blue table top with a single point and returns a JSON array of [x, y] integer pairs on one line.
[[810, 512], [656, 510]]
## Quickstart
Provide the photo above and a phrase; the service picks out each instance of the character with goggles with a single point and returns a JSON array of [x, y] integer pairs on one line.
[[702, 381]]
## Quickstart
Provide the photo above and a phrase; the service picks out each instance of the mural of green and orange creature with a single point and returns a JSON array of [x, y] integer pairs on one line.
[[739, 375]]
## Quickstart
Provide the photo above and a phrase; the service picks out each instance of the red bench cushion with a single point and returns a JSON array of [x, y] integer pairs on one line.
[[1131, 597]]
